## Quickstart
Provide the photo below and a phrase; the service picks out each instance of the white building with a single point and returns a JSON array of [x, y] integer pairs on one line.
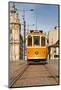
[[53, 43], [14, 34]]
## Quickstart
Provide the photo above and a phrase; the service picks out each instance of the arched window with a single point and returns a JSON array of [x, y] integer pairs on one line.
[[10, 34], [42, 41], [29, 41]]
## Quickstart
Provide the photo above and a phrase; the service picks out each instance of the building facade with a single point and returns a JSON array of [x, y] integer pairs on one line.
[[15, 28], [53, 43]]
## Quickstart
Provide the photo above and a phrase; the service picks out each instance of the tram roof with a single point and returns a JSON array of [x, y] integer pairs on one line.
[[36, 33]]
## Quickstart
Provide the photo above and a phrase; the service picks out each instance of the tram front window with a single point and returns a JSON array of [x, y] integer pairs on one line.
[[29, 41], [36, 40]]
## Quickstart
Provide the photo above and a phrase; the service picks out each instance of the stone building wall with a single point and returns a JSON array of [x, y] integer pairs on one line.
[[14, 34], [53, 45]]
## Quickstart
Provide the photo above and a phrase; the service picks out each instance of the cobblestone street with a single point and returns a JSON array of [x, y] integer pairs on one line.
[[35, 74]]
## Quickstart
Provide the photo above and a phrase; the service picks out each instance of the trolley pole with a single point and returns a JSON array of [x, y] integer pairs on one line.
[[24, 37]]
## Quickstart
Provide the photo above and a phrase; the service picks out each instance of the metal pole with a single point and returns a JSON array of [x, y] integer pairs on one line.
[[24, 31]]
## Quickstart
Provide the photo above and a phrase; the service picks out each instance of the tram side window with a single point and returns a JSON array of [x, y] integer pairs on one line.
[[42, 41], [29, 41]]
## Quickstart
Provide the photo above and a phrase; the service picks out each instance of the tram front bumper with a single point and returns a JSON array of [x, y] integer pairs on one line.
[[36, 57]]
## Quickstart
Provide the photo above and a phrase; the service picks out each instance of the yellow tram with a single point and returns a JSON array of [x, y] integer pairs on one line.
[[36, 47]]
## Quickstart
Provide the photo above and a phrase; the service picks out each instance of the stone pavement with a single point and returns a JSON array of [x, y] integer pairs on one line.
[[53, 65], [15, 67]]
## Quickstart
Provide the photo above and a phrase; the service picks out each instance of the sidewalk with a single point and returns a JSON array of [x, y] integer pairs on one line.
[[15, 67], [53, 65]]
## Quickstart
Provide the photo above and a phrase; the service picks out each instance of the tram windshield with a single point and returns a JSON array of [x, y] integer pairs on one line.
[[36, 40], [29, 40], [42, 41]]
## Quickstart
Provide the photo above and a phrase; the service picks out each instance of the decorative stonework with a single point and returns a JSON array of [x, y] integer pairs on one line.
[[14, 34]]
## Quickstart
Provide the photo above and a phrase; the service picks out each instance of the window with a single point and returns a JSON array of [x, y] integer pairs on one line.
[[10, 31], [56, 56], [42, 41], [36, 40], [29, 41]]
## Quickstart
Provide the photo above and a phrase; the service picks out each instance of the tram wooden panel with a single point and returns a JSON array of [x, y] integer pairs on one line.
[[36, 52]]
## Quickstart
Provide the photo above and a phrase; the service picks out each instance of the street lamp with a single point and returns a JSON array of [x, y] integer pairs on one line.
[[31, 9], [25, 28], [24, 22]]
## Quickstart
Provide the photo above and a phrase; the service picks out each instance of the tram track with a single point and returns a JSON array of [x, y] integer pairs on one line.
[[18, 76], [35, 75]]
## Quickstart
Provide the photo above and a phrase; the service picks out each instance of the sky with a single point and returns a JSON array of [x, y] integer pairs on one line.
[[43, 17]]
